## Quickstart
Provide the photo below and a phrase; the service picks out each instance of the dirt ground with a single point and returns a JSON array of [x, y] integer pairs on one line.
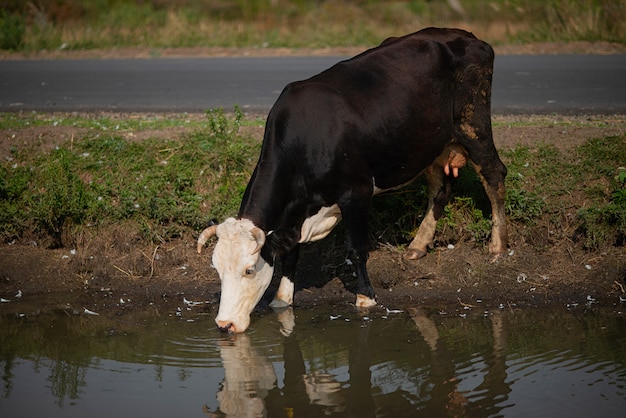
[[111, 272]]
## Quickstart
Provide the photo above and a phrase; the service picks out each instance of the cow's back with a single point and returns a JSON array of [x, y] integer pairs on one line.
[[392, 106], [380, 117], [411, 62]]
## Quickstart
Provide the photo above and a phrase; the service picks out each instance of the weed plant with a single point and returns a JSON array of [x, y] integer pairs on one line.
[[605, 222], [12, 30]]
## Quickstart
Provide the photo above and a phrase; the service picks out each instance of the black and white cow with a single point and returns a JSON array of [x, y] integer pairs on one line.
[[417, 104]]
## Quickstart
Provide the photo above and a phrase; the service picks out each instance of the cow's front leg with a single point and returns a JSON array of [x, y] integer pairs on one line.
[[355, 218], [438, 194], [284, 294]]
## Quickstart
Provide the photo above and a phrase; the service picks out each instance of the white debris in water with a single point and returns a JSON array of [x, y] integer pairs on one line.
[[451, 246], [521, 277], [333, 317], [511, 252], [588, 267], [18, 294], [621, 299], [191, 303], [393, 311], [3, 300], [88, 312]]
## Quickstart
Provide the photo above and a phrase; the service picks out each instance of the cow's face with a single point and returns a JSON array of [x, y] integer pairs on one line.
[[244, 274]]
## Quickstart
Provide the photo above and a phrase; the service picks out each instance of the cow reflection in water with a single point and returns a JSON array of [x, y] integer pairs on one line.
[[250, 390], [443, 379], [250, 386], [248, 379]]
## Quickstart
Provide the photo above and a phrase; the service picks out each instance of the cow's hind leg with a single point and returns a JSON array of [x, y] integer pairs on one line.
[[476, 136], [472, 129], [438, 194], [492, 175]]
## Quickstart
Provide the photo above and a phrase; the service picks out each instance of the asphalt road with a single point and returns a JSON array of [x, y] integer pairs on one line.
[[573, 84]]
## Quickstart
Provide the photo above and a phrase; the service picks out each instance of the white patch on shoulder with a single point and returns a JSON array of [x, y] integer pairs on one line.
[[319, 225]]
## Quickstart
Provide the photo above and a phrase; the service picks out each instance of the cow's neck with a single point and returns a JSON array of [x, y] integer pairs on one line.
[[269, 201]]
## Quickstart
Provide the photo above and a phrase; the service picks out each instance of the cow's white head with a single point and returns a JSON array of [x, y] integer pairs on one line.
[[244, 274]]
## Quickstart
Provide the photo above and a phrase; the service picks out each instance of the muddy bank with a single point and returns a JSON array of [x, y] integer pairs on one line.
[[172, 277]]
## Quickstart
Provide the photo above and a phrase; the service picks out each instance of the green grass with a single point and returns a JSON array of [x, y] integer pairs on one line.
[[165, 185], [592, 179], [75, 24], [169, 186]]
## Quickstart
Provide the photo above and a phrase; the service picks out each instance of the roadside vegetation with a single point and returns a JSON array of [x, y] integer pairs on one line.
[[32, 26], [173, 185]]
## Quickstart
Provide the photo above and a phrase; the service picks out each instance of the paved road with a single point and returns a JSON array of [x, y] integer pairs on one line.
[[538, 84]]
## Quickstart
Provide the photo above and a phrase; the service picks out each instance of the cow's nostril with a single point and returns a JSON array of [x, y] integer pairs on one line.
[[226, 327]]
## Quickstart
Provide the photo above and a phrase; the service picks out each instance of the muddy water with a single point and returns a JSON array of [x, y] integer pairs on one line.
[[313, 363]]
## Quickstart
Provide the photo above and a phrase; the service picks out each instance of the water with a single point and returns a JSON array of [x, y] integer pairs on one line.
[[313, 363]]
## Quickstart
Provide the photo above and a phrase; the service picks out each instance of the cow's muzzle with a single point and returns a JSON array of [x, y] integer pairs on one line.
[[226, 326]]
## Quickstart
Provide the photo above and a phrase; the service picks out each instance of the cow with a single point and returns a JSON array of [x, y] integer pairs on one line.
[[416, 104]]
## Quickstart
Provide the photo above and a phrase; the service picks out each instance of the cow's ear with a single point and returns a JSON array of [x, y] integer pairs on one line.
[[279, 243]]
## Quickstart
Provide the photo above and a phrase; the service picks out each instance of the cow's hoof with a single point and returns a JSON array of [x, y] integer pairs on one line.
[[277, 304], [363, 301], [413, 254]]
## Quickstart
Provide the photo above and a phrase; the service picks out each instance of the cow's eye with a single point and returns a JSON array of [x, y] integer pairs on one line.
[[250, 271]]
